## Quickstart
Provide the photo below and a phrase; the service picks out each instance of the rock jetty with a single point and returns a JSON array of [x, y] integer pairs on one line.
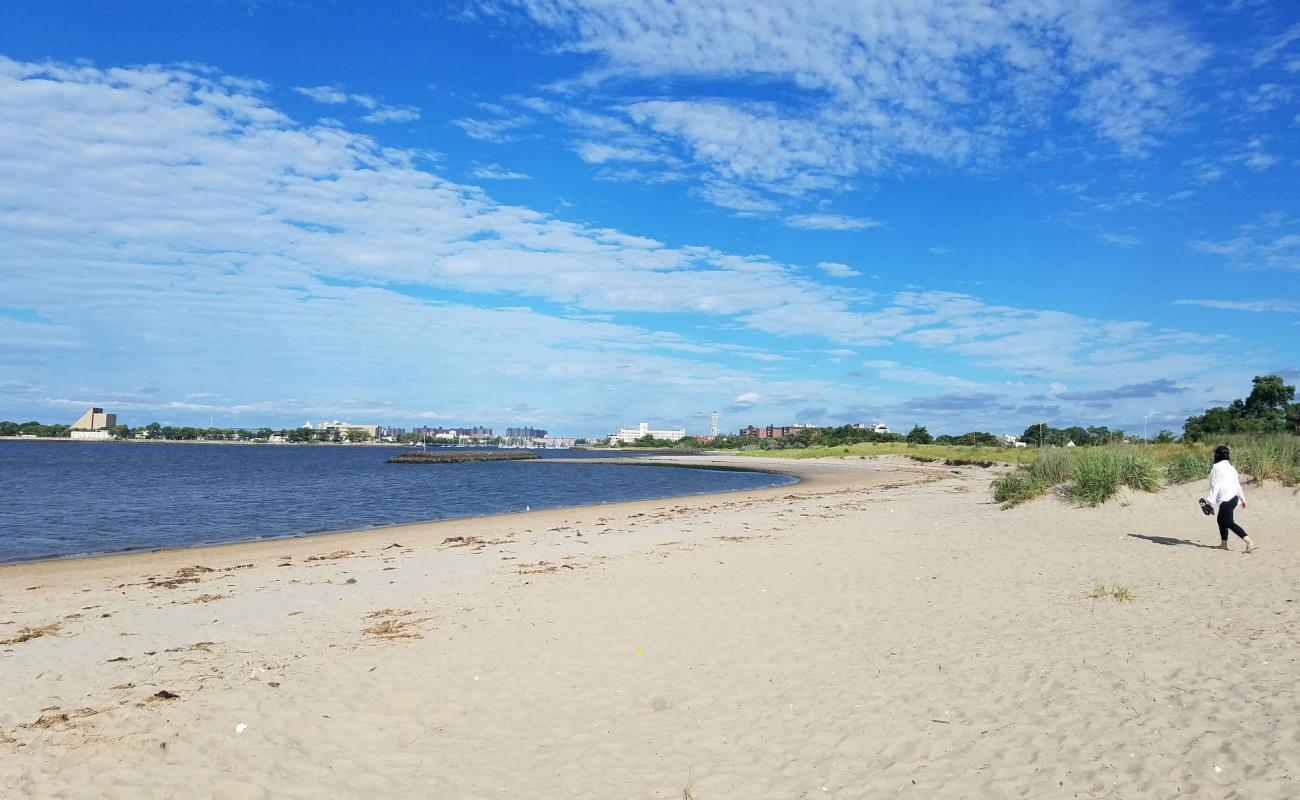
[[459, 456]]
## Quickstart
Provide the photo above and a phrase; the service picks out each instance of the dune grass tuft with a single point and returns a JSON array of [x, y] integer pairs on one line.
[[1120, 593], [1018, 486], [1185, 467], [1091, 475], [1097, 477]]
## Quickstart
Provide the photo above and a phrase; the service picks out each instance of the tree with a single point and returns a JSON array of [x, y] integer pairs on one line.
[[1268, 409], [1269, 397], [1078, 435], [356, 436], [977, 439], [1164, 437], [1037, 434], [919, 435]]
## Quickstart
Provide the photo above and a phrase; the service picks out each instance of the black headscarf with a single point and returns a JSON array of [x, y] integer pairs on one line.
[[1221, 453]]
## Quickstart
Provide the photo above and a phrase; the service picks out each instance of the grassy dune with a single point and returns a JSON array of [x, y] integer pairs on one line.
[[1093, 475], [954, 454]]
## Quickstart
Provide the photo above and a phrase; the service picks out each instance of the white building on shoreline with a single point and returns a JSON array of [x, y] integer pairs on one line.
[[630, 435]]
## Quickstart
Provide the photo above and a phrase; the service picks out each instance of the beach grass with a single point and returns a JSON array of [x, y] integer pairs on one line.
[[1092, 475], [951, 454], [1018, 486], [1097, 477], [1120, 593], [1185, 467]]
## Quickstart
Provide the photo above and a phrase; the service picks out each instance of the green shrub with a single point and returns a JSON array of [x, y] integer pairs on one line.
[[1138, 471], [1097, 476], [1018, 486], [1185, 468]]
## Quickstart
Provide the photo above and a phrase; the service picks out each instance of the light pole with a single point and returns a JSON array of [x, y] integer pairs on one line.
[[1148, 416], [1042, 427]]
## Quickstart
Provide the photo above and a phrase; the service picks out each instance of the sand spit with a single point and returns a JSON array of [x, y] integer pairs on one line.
[[880, 629]]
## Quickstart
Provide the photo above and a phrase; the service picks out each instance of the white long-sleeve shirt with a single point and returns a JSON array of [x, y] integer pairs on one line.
[[1224, 483]]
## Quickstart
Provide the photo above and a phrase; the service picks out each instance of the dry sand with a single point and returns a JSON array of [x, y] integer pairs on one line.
[[881, 629]]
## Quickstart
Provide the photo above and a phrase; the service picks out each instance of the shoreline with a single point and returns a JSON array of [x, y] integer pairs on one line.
[[880, 628], [805, 475]]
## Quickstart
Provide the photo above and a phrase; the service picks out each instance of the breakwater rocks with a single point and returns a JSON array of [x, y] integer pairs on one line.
[[460, 456]]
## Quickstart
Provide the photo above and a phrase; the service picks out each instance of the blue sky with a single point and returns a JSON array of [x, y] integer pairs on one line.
[[577, 215]]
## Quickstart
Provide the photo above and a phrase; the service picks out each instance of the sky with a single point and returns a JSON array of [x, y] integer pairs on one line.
[[576, 215]]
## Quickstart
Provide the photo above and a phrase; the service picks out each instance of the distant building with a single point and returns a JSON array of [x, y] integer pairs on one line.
[[777, 431], [555, 442], [453, 434], [879, 427], [99, 435], [525, 433], [713, 425], [630, 435], [95, 419], [345, 428]]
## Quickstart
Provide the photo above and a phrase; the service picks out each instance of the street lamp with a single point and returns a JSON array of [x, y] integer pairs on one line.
[[1148, 416], [1042, 426]]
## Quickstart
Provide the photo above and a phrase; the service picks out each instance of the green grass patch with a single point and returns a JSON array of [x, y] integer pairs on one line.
[[1018, 486], [1138, 470], [1120, 593], [1091, 475], [1053, 466], [1097, 477], [1267, 457], [1186, 467], [951, 454]]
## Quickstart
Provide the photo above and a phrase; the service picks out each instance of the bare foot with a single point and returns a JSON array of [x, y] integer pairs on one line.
[[1250, 545], [1222, 546]]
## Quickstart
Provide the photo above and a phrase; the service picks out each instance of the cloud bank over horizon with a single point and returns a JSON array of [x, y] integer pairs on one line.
[[183, 245]]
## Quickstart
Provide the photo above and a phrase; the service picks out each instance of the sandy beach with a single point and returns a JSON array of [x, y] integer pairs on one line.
[[879, 629]]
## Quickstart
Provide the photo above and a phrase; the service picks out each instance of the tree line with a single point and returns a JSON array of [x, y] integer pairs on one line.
[[1269, 408]]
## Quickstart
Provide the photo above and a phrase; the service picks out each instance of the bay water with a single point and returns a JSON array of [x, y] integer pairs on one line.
[[78, 498]]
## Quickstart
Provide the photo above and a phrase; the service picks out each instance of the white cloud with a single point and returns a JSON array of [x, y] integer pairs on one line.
[[317, 246], [940, 250], [1278, 45], [830, 222], [1270, 242], [492, 130], [919, 376], [742, 201], [323, 94], [1125, 240], [599, 153], [496, 172], [1244, 305], [392, 114], [837, 270], [875, 87], [379, 113], [747, 399]]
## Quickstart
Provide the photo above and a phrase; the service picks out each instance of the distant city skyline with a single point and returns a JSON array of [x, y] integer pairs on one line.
[[575, 216]]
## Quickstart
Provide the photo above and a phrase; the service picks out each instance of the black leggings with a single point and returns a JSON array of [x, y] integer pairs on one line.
[[1225, 520]]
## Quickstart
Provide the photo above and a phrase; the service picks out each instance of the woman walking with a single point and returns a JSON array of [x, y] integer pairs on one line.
[[1225, 491]]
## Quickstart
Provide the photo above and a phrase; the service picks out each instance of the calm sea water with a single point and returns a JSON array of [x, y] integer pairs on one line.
[[62, 499]]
